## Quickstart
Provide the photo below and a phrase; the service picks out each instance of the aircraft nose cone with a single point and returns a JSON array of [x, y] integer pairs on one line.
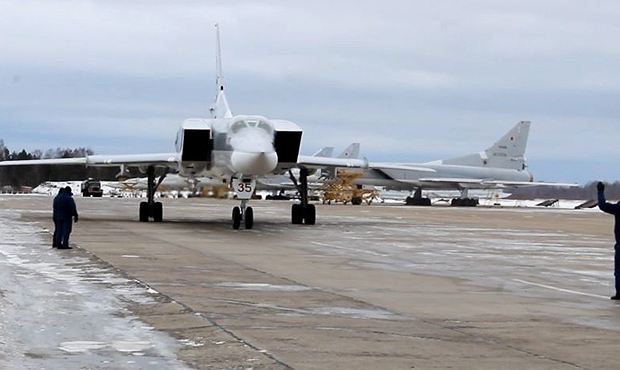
[[249, 163]]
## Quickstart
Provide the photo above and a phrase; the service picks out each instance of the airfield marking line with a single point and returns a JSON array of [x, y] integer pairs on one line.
[[351, 249], [560, 289]]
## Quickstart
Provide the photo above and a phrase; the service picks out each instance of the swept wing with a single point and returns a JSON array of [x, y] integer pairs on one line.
[[128, 160], [465, 183]]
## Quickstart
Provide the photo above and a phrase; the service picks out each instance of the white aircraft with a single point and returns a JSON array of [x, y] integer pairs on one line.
[[195, 184], [503, 165], [236, 150]]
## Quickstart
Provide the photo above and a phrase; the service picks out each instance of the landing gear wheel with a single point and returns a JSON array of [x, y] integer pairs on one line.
[[464, 202], [144, 212], [236, 216], [310, 214], [413, 201], [158, 212], [297, 214], [248, 217]]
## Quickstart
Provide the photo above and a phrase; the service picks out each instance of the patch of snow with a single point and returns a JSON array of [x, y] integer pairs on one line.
[[357, 313], [81, 346], [61, 303], [264, 287], [190, 343]]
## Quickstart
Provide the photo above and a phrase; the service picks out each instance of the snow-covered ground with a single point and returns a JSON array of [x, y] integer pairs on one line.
[[533, 203], [62, 311], [110, 188]]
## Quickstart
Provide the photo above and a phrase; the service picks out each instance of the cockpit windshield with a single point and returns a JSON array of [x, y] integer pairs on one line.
[[257, 123]]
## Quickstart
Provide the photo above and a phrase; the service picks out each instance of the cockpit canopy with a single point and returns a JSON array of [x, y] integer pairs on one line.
[[242, 122]]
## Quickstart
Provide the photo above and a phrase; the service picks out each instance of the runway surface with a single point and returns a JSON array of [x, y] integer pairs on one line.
[[388, 287]]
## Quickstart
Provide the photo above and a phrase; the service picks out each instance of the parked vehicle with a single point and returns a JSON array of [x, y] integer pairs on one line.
[[91, 188]]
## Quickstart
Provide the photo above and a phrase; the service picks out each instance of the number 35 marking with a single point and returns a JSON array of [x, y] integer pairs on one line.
[[244, 188]]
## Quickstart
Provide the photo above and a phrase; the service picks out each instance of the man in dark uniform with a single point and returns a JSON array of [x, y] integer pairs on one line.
[[613, 209], [67, 213], [56, 239]]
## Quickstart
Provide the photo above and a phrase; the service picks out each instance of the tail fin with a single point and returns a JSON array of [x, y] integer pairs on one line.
[[508, 152], [352, 151], [325, 152], [220, 108]]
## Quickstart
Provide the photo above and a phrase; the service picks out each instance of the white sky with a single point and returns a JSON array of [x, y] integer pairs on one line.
[[410, 80]]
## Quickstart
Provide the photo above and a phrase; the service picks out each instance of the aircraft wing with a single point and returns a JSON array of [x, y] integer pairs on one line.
[[519, 184], [130, 160], [465, 183], [322, 162], [399, 167]]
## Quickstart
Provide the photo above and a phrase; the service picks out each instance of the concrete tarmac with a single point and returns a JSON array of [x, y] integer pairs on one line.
[[368, 287]]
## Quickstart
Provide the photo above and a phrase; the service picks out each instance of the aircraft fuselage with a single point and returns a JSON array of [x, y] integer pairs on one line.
[[240, 146]]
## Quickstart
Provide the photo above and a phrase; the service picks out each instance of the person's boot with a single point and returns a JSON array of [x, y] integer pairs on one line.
[[615, 298]]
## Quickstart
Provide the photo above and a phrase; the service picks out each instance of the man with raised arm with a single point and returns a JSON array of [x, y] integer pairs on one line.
[[613, 209]]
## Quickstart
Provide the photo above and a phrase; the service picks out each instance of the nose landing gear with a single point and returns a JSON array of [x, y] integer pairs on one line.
[[243, 213], [244, 188]]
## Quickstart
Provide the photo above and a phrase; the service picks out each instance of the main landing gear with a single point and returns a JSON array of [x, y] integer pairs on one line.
[[150, 208], [417, 200], [303, 212], [464, 200]]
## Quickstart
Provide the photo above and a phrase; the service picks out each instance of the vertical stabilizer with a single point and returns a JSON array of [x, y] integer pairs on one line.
[[508, 152], [220, 108], [352, 151], [219, 81], [324, 152]]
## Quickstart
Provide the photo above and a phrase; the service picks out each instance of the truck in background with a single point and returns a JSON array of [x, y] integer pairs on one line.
[[91, 188]]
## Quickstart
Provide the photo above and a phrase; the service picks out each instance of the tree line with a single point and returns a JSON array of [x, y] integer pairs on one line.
[[18, 176]]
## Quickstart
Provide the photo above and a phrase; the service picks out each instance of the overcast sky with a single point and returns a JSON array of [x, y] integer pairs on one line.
[[410, 80]]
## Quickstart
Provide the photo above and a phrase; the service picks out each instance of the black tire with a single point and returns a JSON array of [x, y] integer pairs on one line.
[[144, 212], [464, 202], [356, 201], [310, 215], [236, 216], [248, 218], [158, 212], [297, 215]]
